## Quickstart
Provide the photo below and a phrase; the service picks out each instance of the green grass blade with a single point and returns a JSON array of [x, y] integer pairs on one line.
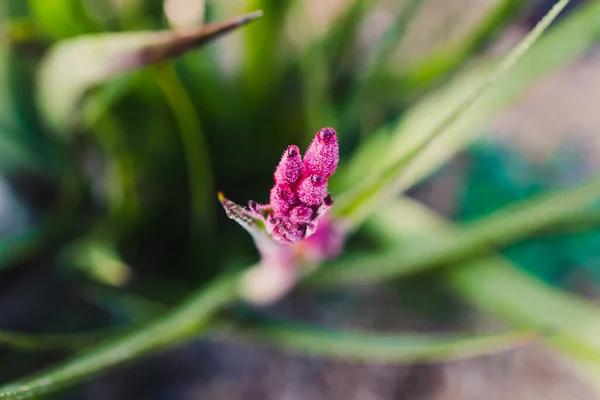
[[378, 348], [504, 227], [196, 151], [323, 52], [51, 342], [567, 323], [359, 201], [376, 60], [450, 56]]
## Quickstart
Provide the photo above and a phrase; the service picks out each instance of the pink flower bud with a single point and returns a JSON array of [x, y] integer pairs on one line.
[[325, 207], [290, 168], [301, 214], [322, 156], [312, 189], [271, 223], [282, 198], [285, 232]]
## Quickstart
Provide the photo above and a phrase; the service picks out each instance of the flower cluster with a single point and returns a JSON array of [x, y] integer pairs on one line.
[[299, 197]]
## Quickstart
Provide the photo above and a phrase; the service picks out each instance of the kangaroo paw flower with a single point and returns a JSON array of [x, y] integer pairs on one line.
[[294, 226], [299, 197]]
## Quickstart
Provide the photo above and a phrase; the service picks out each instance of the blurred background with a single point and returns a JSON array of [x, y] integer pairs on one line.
[[110, 164]]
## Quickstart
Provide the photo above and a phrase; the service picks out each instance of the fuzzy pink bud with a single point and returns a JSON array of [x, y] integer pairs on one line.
[[285, 232], [282, 198], [290, 168], [271, 223], [301, 214], [325, 207], [312, 189], [322, 156]]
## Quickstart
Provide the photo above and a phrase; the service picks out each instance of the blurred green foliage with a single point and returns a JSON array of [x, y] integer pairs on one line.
[[116, 131]]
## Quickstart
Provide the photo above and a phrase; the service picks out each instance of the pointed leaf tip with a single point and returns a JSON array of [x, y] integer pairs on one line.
[[74, 66], [252, 16]]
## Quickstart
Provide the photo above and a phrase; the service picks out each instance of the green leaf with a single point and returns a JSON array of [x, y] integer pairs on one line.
[[50, 342], [196, 151], [61, 18], [568, 323], [452, 54], [376, 60], [21, 146], [74, 66], [100, 260], [438, 127], [378, 348]]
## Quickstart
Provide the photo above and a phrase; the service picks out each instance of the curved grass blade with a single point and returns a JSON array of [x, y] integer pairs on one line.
[[74, 66], [196, 151], [378, 348], [52, 342]]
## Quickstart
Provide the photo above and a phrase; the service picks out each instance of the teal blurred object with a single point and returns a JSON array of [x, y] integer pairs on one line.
[[498, 175], [18, 225]]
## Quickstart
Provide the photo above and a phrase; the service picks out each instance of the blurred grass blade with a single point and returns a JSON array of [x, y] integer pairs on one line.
[[100, 261], [50, 342], [378, 348], [359, 201], [74, 66], [504, 227], [323, 51], [196, 152], [62, 18], [449, 56], [262, 64], [498, 287], [124, 304], [377, 58]]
